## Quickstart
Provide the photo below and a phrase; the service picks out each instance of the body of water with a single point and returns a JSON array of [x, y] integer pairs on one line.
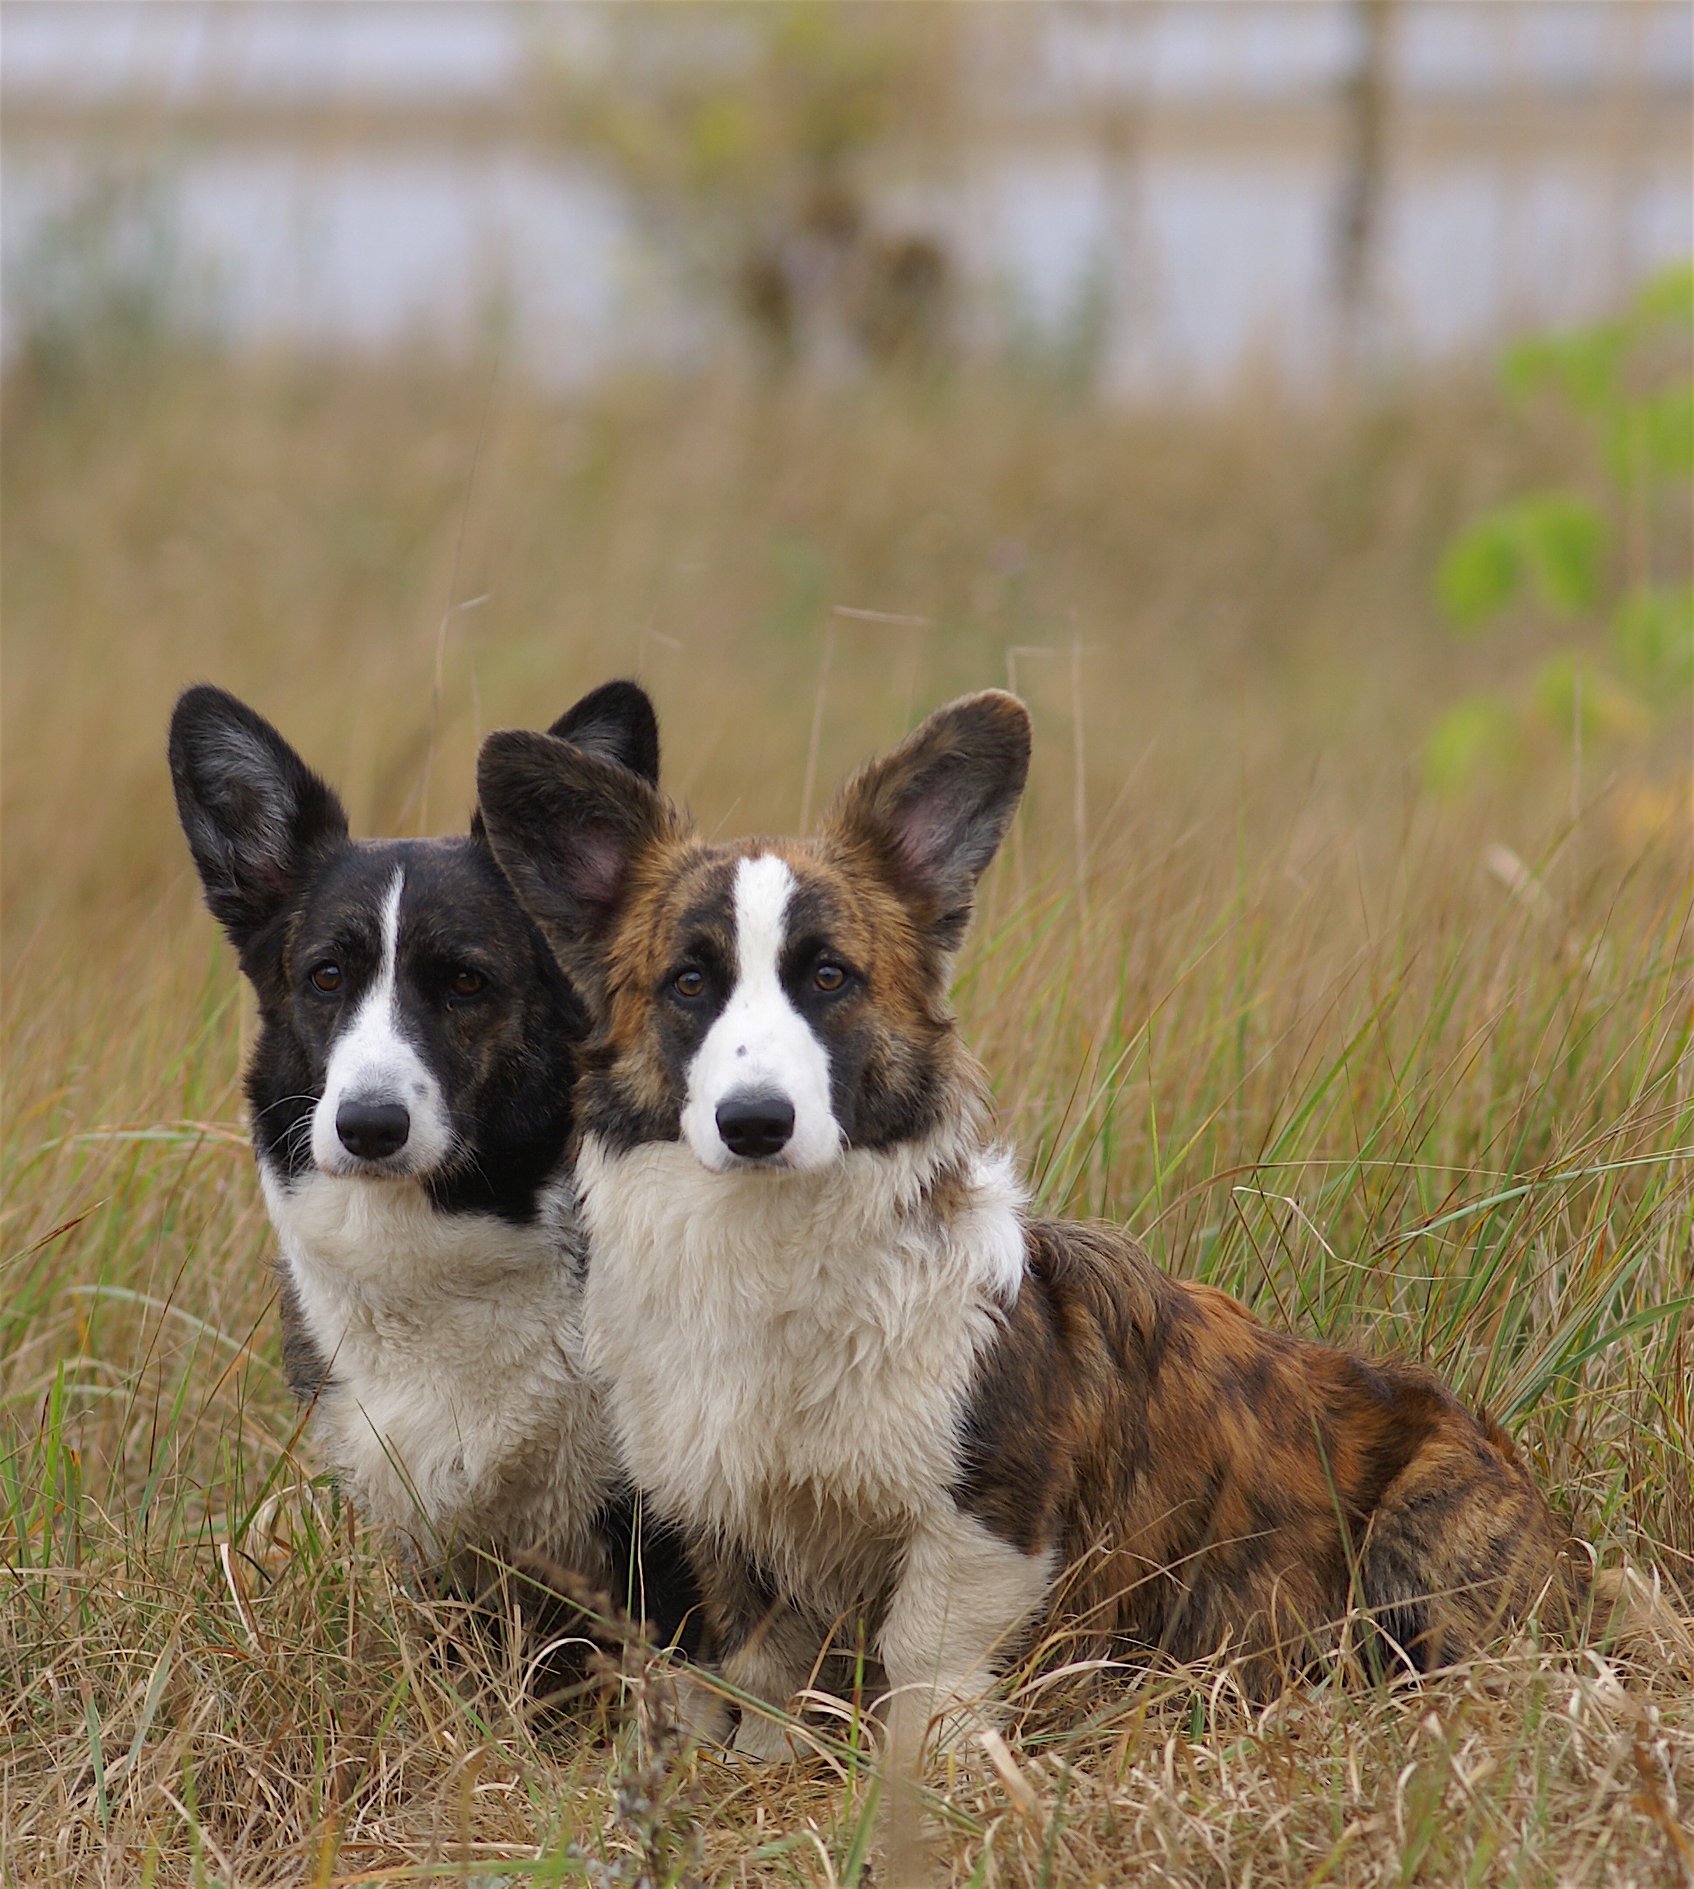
[[1201, 249]]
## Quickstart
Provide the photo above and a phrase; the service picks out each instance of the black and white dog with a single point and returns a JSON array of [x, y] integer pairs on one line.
[[410, 1093]]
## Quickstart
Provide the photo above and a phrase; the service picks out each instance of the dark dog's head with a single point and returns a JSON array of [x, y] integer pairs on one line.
[[414, 1024]]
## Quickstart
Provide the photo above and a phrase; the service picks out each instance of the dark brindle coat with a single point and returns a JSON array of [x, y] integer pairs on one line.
[[842, 1353]]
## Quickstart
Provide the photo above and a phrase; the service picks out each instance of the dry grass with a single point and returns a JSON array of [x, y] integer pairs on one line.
[[1411, 1074]]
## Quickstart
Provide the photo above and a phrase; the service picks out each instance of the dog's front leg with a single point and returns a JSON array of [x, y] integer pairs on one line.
[[766, 1649], [772, 1664], [964, 1598]]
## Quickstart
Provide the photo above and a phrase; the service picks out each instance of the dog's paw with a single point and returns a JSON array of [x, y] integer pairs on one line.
[[696, 1707]]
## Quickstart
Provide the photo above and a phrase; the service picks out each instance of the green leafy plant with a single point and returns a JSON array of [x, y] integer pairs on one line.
[[1592, 562]]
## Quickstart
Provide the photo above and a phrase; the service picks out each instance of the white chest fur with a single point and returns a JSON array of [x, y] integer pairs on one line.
[[457, 1408], [787, 1354]]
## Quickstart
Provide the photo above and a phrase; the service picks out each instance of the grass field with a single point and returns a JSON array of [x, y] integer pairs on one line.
[[1407, 1072]]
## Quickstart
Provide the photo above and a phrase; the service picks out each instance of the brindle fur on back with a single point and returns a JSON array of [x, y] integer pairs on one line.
[[1214, 1484]]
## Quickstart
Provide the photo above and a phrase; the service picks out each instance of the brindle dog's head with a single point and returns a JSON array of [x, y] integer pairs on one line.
[[771, 1002]]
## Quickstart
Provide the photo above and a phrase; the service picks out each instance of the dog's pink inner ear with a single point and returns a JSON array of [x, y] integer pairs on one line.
[[597, 863], [924, 830]]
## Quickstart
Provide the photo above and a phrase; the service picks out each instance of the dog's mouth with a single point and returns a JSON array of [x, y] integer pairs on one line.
[[390, 1168], [787, 1163], [758, 1164]]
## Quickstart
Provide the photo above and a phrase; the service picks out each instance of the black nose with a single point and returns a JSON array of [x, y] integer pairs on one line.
[[372, 1129], [754, 1125]]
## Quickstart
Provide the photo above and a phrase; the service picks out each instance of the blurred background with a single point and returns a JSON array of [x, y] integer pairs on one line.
[[1156, 198], [1131, 261], [1291, 398]]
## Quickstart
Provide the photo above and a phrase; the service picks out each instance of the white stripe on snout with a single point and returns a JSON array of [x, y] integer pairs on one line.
[[760, 1044], [382, 992], [370, 1060]]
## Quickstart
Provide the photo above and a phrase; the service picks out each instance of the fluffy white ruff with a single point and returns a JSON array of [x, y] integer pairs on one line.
[[457, 1410], [786, 1353]]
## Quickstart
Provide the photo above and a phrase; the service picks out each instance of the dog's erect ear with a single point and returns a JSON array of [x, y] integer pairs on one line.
[[615, 721], [255, 815], [567, 827], [933, 813]]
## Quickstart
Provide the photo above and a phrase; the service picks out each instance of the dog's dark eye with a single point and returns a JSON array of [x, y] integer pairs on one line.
[[468, 983], [689, 984], [326, 977], [829, 977]]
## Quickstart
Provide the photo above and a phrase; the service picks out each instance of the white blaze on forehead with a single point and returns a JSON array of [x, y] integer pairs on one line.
[[763, 887], [759, 1043], [371, 1060]]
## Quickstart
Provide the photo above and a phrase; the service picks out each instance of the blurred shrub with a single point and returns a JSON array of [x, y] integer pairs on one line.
[[749, 131], [100, 289], [1589, 562]]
